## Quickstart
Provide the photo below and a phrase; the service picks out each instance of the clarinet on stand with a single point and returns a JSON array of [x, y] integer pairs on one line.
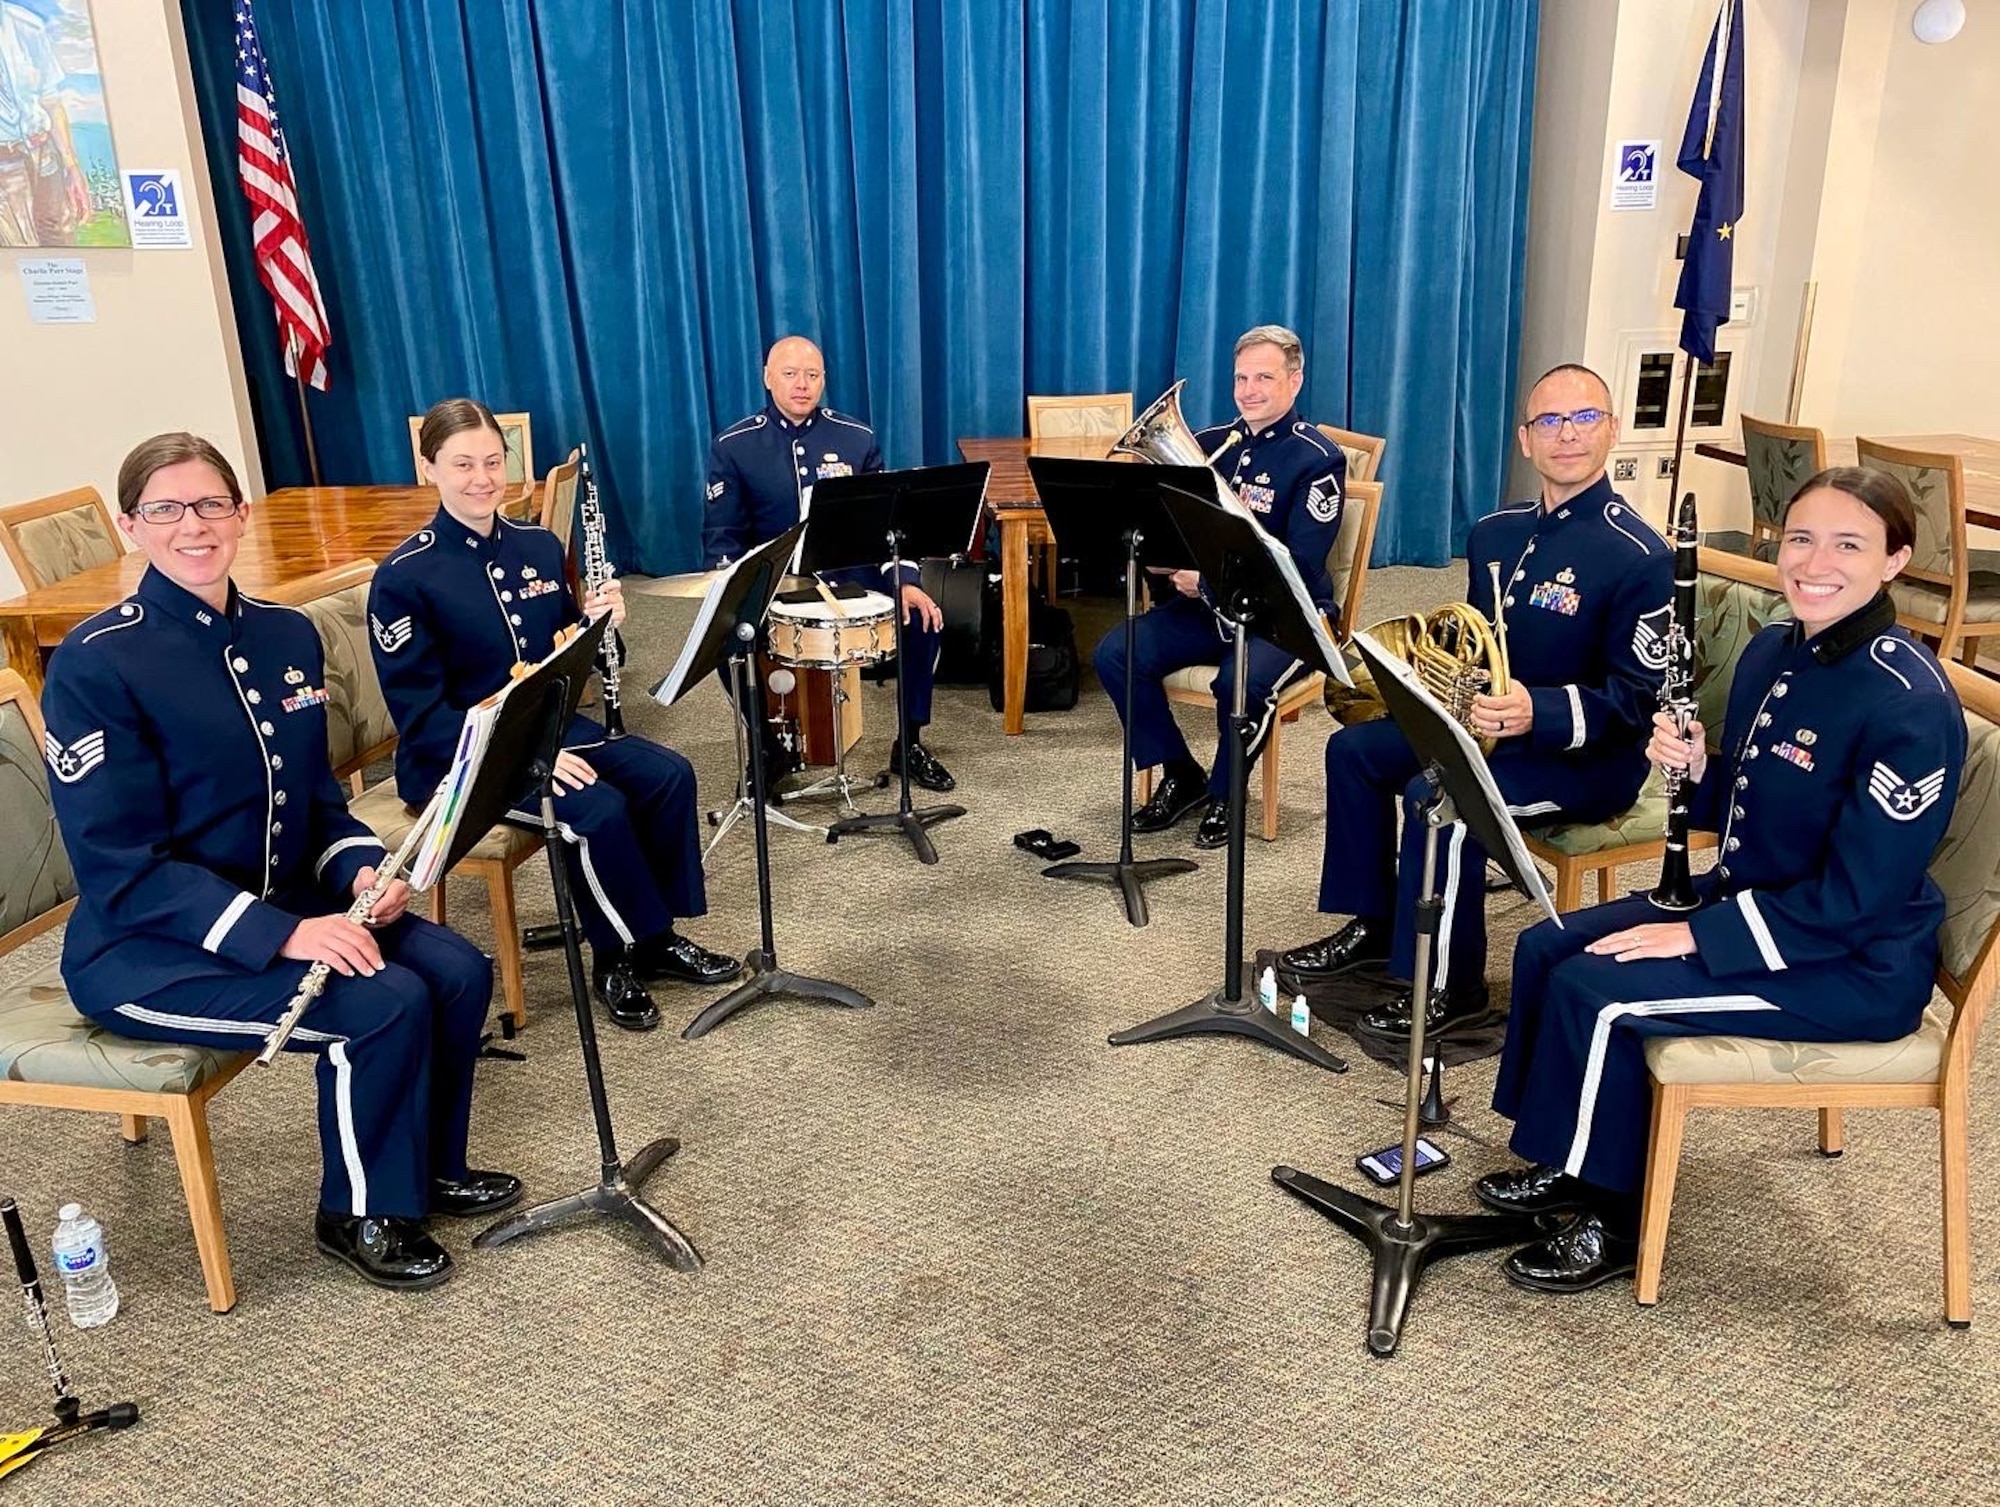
[[596, 565], [1676, 888]]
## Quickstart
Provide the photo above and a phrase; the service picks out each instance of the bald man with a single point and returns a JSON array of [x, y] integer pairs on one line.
[[760, 473]]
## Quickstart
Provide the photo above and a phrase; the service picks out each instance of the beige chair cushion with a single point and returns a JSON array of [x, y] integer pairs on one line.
[[389, 819], [357, 714], [44, 1040], [1195, 680], [1645, 822], [59, 545], [1966, 865], [1922, 600], [1745, 1059], [35, 875]]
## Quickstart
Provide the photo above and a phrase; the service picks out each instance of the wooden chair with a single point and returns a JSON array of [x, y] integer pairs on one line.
[[360, 731], [1737, 598], [1347, 564], [517, 432], [1936, 596], [1929, 1069], [559, 494], [52, 538], [1780, 459], [53, 1057], [1082, 415], [1363, 451]]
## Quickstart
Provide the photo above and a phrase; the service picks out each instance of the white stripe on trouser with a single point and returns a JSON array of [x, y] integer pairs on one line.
[[571, 835], [1441, 948], [207, 1023], [1600, 1043], [343, 1113], [1270, 710]]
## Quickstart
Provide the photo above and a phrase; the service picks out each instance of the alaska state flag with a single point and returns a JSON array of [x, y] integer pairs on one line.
[[1712, 150]]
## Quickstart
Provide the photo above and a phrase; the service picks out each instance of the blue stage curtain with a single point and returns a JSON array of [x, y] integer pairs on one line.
[[603, 211]]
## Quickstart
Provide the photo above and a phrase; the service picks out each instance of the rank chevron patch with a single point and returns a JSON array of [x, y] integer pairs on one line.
[[70, 763], [1904, 800], [391, 636]]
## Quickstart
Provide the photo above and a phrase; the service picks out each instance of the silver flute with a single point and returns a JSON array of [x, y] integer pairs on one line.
[[311, 986]]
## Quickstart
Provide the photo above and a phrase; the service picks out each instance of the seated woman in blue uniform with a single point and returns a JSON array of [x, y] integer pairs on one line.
[[450, 613], [215, 857], [1840, 760]]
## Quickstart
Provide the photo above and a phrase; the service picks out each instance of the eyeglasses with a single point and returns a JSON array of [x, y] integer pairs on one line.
[[1549, 425], [167, 510]]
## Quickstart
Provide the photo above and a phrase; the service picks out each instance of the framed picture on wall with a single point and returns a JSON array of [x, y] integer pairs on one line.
[[59, 183]]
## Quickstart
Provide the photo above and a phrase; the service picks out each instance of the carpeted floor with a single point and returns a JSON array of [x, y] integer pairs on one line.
[[961, 1251]]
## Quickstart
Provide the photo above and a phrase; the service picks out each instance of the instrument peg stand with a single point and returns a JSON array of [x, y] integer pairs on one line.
[[907, 819], [724, 819], [1228, 1011], [1401, 1241], [615, 1193], [766, 978], [1129, 876]]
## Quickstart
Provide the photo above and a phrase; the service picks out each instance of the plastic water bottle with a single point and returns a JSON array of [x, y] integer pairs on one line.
[[85, 1268], [1267, 989], [1302, 1020]]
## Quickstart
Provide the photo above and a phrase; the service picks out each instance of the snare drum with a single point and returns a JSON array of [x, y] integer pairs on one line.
[[822, 634]]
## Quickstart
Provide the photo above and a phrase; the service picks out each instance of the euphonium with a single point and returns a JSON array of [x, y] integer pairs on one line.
[[1456, 653], [1162, 436]]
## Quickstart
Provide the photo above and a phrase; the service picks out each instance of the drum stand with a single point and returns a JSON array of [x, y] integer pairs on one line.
[[839, 783], [766, 977], [906, 818], [723, 820]]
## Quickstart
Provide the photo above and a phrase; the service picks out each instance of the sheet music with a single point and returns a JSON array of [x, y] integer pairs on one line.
[[1288, 569], [669, 690]]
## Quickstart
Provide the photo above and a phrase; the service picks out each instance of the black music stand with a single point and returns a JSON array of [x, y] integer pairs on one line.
[[1260, 586], [1402, 1241], [726, 630], [527, 735], [930, 512], [1103, 512]]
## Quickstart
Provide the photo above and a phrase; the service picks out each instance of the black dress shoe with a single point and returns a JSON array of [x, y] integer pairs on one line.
[[683, 960], [1174, 797], [624, 994], [386, 1249], [1581, 1255], [1447, 1008], [475, 1193], [925, 770], [1359, 941], [1529, 1190], [1214, 829]]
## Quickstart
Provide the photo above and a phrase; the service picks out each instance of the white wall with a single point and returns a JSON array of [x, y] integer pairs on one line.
[[163, 352]]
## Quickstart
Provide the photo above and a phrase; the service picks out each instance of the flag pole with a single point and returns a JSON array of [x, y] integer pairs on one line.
[[305, 414]]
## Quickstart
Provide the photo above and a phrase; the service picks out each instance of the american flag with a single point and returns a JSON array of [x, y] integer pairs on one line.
[[284, 260]]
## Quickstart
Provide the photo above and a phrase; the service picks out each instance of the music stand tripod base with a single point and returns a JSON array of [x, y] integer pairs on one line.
[[1401, 1252], [1216, 1015], [1129, 876], [911, 823], [617, 1196], [768, 981]]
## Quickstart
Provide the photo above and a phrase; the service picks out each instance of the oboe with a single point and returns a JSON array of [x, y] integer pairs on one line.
[[1676, 887], [314, 982], [596, 571]]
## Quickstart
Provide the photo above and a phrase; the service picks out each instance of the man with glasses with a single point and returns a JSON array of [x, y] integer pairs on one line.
[[1293, 479], [761, 472], [1586, 586]]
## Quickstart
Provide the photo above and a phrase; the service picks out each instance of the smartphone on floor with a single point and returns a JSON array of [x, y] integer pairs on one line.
[[1386, 1165]]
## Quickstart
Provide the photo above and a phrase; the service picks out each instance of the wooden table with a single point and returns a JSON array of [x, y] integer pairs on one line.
[[1011, 500], [1981, 458], [293, 533]]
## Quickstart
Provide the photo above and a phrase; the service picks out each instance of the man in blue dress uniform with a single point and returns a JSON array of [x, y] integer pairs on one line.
[[761, 472], [215, 857], [450, 613], [1585, 588], [1293, 479]]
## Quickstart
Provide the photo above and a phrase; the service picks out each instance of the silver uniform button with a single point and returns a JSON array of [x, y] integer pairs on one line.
[[522, 642], [1750, 752], [1733, 844], [1736, 812], [239, 664], [277, 761], [274, 860], [1779, 689], [506, 596], [279, 798], [1743, 782], [1510, 602], [499, 574], [277, 829], [1763, 719], [266, 729], [1722, 871], [1520, 575], [252, 696], [515, 619]]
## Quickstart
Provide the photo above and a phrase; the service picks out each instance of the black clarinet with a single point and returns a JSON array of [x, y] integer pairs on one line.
[[1676, 888], [596, 571]]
